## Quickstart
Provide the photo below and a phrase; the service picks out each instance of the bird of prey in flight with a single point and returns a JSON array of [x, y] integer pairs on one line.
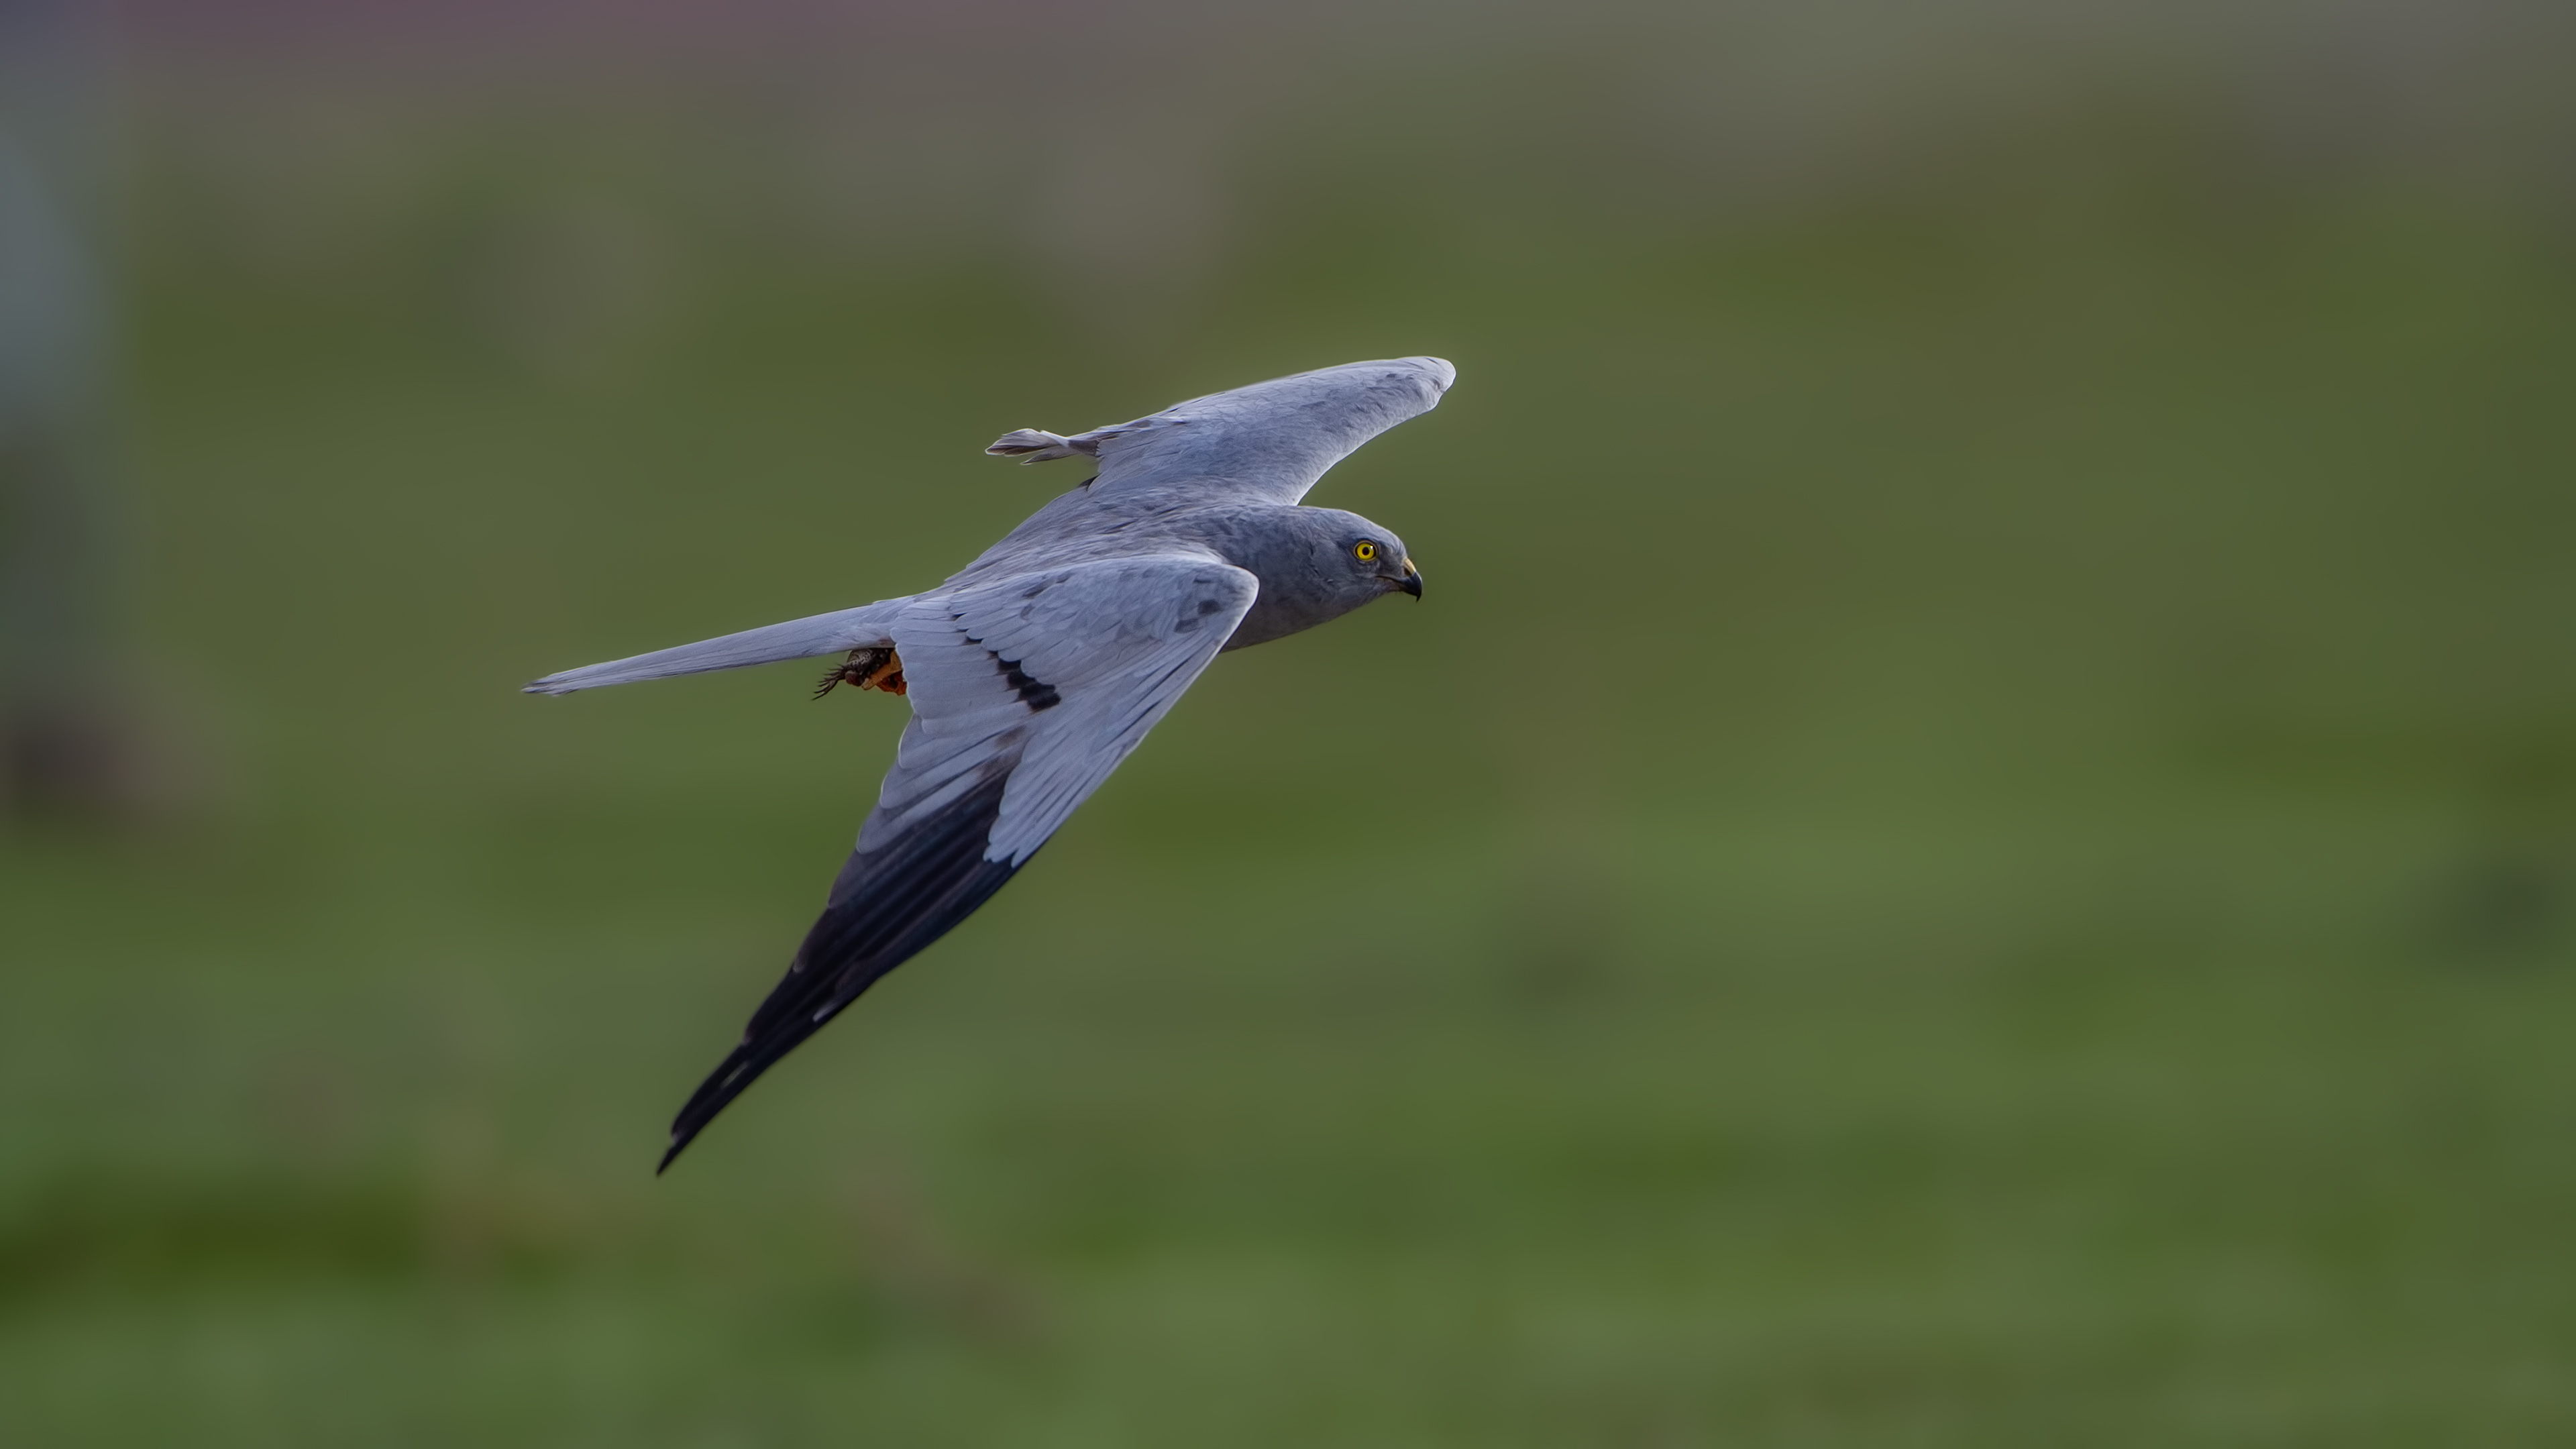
[[1034, 670]]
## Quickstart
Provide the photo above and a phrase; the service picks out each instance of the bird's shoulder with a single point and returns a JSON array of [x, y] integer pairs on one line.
[[1083, 527]]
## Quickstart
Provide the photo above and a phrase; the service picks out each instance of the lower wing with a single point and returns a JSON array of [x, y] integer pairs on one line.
[[1026, 694]]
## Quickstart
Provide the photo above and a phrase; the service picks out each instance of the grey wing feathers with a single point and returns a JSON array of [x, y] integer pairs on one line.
[[806, 638], [1066, 668], [1269, 441], [1026, 694]]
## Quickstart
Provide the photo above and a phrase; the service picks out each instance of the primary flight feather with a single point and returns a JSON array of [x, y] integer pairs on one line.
[[1038, 667]]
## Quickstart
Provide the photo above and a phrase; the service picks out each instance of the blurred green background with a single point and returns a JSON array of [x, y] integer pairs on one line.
[[1974, 845]]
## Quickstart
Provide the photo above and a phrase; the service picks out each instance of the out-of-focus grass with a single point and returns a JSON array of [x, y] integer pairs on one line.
[[1971, 847]]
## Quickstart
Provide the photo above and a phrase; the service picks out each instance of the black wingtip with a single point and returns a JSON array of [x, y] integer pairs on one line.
[[712, 1096], [915, 893]]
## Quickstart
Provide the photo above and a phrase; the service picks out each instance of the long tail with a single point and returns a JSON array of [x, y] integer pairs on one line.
[[821, 634]]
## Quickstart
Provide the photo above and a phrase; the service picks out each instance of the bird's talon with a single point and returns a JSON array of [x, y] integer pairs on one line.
[[869, 666]]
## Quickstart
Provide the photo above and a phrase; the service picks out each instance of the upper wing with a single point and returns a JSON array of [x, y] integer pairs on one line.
[[1268, 442], [1026, 693], [832, 633]]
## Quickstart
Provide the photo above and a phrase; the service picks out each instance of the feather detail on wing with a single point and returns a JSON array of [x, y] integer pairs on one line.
[[1268, 442], [1026, 694]]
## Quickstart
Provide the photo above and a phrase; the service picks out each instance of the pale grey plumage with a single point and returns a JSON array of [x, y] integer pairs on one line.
[[1263, 444], [1267, 442], [835, 633], [1037, 668], [1116, 641]]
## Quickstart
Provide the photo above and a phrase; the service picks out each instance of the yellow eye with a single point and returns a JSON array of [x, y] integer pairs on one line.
[[1364, 551]]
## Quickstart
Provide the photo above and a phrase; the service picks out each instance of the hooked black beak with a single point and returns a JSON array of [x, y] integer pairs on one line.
[[1412, 582]]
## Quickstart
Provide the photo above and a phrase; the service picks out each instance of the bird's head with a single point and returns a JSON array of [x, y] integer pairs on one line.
[[1363, 559], [1315, 565]]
